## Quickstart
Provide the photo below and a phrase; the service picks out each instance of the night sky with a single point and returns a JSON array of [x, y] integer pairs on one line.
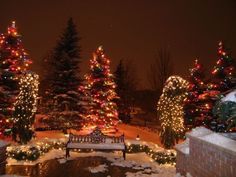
[[128, 29]]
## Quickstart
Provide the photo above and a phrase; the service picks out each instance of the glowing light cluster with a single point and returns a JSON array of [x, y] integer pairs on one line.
[[13, 56], [100, 89], [170, 109], [25, 107]]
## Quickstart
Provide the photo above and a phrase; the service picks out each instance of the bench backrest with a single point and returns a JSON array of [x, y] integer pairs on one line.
[[95, 137]]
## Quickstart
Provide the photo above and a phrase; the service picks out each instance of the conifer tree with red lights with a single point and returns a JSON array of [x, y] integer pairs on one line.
[[13, 61], [222, 75], [223, 71], [193, 108], [100, 90]]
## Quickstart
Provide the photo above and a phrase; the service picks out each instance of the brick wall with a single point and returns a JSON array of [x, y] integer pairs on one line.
[[206, 154]]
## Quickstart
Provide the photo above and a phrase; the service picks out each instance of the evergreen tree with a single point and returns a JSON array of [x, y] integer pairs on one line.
[[65, 61], [64, 80], [170, 109], [13, 61], [221, 81], [193, 107], [223, 71], [125, 88], [100, 90], [25, 108]]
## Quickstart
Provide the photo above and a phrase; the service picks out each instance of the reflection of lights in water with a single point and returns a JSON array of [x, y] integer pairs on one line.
[[40, 169]]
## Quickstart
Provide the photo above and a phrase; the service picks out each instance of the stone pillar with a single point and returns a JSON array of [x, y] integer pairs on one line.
[[3, 157], [182, 158]]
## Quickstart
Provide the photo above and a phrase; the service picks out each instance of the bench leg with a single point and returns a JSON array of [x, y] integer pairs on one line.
[[67, 152], [124, 155]]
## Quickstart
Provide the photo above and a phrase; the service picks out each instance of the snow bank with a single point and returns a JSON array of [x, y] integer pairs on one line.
[[179, 175], [98, 169]]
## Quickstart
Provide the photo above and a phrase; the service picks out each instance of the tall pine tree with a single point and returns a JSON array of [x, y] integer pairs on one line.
[[100, 90], [64, 80], [13, 61]]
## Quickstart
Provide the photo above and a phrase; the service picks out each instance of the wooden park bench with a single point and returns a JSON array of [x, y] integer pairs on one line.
[[96, 141]]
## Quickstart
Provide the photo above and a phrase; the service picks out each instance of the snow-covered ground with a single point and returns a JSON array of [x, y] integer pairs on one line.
[[137, 161]]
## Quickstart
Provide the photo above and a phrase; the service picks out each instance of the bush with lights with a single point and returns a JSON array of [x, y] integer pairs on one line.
[[25, 108], [170, 109], [100, 90], [13, 60]]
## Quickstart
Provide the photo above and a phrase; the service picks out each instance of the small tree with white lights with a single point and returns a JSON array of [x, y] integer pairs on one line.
[[170, 109], [25, 108]]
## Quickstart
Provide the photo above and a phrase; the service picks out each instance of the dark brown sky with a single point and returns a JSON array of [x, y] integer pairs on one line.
[[130, 29]]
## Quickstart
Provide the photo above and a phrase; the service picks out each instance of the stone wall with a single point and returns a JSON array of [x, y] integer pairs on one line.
[[3, 157], [206, 154]]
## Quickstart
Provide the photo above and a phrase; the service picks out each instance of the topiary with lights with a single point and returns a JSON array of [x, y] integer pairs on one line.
[[25, 108], [100, 90], [170, 109], [13, 61]]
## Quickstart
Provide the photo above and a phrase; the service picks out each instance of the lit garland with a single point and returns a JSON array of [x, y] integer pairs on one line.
[[161, 157], [25, 107], [32, 153], [100, 89], [170, 109]]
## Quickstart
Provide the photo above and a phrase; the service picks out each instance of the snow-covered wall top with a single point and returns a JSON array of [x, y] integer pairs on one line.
[[230, 97], [3, 144], [199, 131], [213, 138]]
